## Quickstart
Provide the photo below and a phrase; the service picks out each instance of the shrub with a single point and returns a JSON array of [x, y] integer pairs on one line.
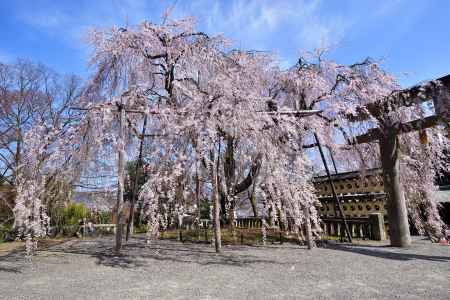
[[74, 212], [67, 219], [7, 233]]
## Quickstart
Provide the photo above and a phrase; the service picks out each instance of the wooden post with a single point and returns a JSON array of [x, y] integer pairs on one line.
[[120, 175], [396, 204], [376, 221], [130, 225]]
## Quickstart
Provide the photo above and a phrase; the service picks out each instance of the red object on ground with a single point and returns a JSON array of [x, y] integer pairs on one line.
[[443, 241]]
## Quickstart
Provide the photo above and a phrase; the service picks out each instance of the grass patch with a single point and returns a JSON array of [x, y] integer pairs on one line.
[[241, 236], [43, 244]]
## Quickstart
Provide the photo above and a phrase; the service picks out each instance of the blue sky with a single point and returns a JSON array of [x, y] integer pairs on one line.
[[411, 36]]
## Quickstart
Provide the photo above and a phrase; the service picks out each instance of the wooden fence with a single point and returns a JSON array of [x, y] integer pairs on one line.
[[371, 227], [359, 227]]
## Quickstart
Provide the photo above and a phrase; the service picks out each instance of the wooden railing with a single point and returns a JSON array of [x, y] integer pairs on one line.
[[371, 227], [359, 227], [84, 229], [248, 223]]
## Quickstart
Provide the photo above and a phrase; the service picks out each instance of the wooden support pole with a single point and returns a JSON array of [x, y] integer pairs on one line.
[[332, 160], [396, 204], [335, 172], [134, 192], [120, 176], [333, 190]]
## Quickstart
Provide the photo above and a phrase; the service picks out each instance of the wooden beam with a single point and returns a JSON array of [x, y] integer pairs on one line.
[[418, 124], [295, 113], [406, 98], [374, 134]]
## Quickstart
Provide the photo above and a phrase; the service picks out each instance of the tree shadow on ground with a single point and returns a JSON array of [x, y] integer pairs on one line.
[[9, 269], [387, 252], [139, 254], [15, 257]]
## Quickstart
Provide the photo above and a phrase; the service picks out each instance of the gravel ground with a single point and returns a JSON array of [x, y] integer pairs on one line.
[[172, 270]]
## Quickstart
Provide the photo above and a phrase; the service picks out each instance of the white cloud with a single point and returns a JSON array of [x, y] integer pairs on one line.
[[268, 25], [70, 25], [257, 24]]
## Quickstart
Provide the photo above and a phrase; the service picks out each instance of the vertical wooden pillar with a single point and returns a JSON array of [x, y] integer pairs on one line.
[[120, 176], [396, 204], [376, 221]]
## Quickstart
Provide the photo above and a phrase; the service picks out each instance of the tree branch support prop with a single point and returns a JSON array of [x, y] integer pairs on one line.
[[341, 211]]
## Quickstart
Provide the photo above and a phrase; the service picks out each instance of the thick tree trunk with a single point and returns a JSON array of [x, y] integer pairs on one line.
[[252, 199], [216, 198], [396, 204], [134, 192], [308, 231], [18, 154], [231, 220], [120, 175], [197, 199], [216, 214]]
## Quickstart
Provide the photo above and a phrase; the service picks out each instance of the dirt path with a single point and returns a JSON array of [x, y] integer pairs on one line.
[[172, 270]]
